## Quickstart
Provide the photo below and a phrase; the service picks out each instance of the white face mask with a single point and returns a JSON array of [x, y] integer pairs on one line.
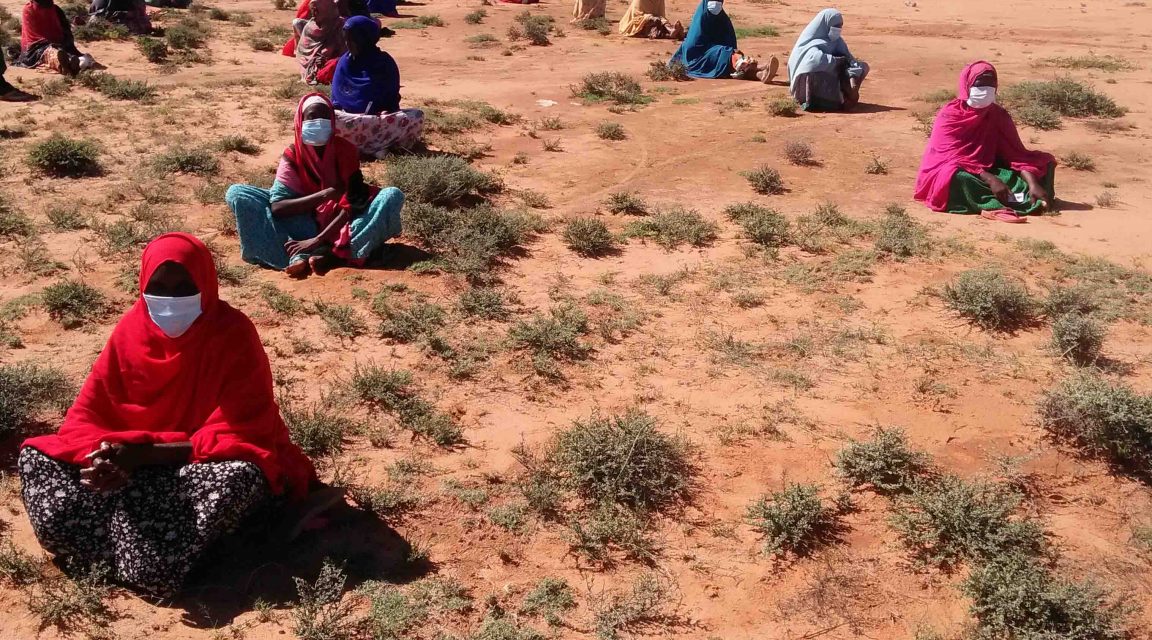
[[714, 7], [981, 97], [316, 133], [173, 315], [834, 32]]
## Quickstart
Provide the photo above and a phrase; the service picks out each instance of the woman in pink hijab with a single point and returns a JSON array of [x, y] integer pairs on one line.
[[975, 161]]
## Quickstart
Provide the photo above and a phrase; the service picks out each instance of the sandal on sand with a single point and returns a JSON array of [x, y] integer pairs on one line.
[[1003, 215], [306, 514], [773, 69]]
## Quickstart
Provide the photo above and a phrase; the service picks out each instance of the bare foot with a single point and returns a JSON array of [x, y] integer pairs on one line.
[[298, 269]]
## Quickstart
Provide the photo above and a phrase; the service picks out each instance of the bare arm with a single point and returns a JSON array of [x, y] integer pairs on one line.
[[302, 205]]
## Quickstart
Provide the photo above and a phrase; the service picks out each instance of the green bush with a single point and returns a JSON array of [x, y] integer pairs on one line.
[[612, 529], [611, 131], [946, 519], [1013, 597], [782, 106], [764, 226], [484, 302], [154, 50], [1078, 337], [1100, 418], [623, 459], [186, 160], [612, 86], [188, 33], [533, 28], [885, 462], [765, 180], [64, 157], [589, 237], [13, 222], [990, 300], [1037, 116], [793, 520], [408, 323], [439, 180], [100, 30], [476, 17], [626, 202], [468, 241], [663, 71], [320, 614], [393, 391], [643, 603], [73, 605], [319, 430], [552, 337], [26, 389], [1078, 161], [117, 89], [799, 153], [900, 236], [74, 304], [1065, 96], [674, 227], [550, 599]]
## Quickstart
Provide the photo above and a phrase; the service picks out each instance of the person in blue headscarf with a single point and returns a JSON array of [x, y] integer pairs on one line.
[[709, 50], [823, 75], [366, 94]]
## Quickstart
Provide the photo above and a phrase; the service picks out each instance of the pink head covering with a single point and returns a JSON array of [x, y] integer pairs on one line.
[[972, 140]]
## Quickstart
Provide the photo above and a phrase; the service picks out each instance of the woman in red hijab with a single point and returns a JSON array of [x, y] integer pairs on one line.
[[319, 213], [174, 438], [975, 161], [46, 39]]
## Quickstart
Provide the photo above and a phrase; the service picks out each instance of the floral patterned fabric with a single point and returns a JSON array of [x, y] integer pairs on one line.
[[151, 532], [374, 135]]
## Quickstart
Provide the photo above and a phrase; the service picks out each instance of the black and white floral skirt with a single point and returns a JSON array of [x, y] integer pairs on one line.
[[149, 533]]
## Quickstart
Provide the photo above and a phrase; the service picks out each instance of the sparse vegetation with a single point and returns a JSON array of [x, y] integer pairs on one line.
[[612, 86], [885, 462], [552, 337], [1100, 418], [186, 160], [189, 33], [799, 153], [318, 429], [439, 180], [626, 202], [899, 235], [1014, 597], [947, 519], [393, 391], [765, 180], [793, 520], [611, 131], [990, 300], [320, 614], [664, 71], [484, 302], [1040, 103], [13, 222], [549, 599], [1078, 338], [26, 389], [674, 227], [1090, 61], [1078, 161], [781, 107], [876, 167], [117, 89], [764, 226], [475, 17], [72, 605], [64, 157], [73, 303], [643, 603], [589, 237], [533, 28]]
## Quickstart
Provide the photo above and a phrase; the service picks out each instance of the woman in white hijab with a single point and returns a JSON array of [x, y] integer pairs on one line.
[[823, 75]]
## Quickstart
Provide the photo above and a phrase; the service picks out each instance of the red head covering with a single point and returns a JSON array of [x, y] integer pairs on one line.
[[305, 171], [972, 140], [40, 23], [212, 386]]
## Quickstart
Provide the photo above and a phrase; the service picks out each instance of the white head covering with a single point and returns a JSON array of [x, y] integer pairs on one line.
[[815, 38], [311, 101]]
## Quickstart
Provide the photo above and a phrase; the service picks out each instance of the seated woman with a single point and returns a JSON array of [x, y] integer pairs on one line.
[[366, 93], [174, 439], [9, 93], [321, 42], [975, 161], [645, 19], [130, 13], [709, 50], [319, 212], [587, 10], [822, 74], [46, 40]]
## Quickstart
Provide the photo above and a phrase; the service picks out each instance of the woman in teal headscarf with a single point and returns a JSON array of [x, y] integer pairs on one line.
[[823, 75], [709, 50]]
